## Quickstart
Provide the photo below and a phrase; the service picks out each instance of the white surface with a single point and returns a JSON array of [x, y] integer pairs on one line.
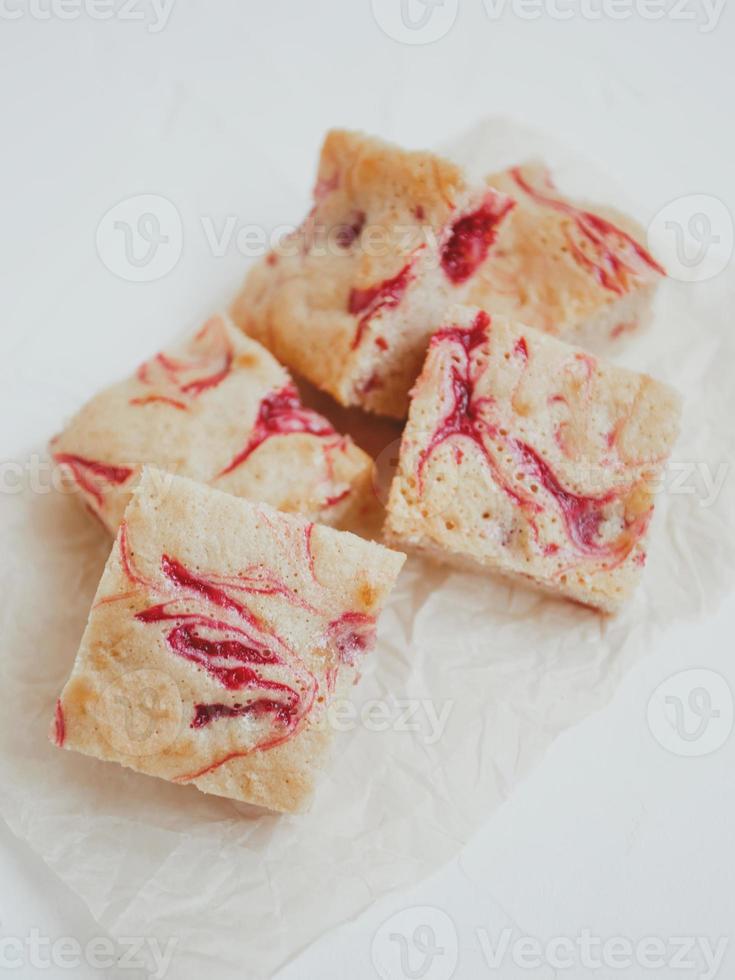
[[611, 832]]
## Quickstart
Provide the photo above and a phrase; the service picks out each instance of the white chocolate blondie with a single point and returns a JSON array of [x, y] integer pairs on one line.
[[223, 411], [578, 273], [219, 634], [529, 457], [351, 299]]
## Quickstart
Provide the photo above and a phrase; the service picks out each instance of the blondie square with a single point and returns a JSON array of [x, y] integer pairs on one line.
[[579, 274], [219, 634], [351, 299], [529, 457], [223, 411]]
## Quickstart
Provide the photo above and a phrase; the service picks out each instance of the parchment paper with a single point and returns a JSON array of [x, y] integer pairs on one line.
[[497, 673]]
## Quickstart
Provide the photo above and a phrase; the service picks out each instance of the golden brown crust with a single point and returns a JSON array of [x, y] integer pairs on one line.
[[211, 604], [373, 172]]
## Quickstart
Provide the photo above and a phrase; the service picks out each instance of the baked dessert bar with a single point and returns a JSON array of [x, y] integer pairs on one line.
[[530, 457], [580, 274], [219, 634], [351, 299], [223, 411]]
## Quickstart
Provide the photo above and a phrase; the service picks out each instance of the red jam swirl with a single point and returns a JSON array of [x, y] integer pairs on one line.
[[280, 414], [353, 635], [337, 498], [179, 380], [612, 256], [325, 186], [235, 654], [463, 416], [259, 580], [472, 236], [374, 300], [582, 515], [347, 233], [229, 655], [59, 725], [212, 628], [93, 477], [214, 593], [281, 712], [469, 417]]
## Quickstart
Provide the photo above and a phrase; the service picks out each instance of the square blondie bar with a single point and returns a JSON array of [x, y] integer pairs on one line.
[[219, 409], [220, 633], [530, 457], [351, 299]]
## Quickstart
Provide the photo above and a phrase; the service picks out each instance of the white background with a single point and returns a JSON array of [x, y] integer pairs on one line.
[[222, 111]]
